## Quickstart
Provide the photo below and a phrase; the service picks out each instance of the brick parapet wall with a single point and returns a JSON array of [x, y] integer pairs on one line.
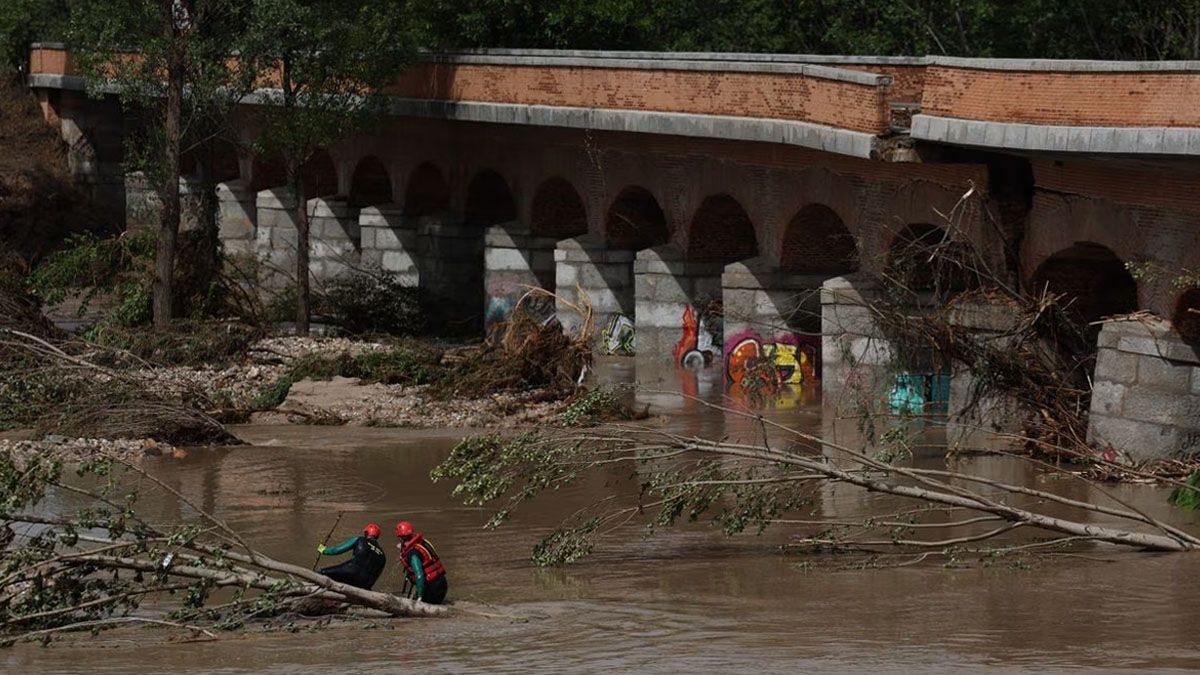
[[775, 95], [1066, 97]]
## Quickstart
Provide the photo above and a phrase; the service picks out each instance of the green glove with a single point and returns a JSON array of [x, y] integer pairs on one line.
[[321, 549]]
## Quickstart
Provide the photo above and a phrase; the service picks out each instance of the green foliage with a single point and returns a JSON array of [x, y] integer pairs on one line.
[[120, 269], [372, 301], [506, 472], [187, 342], [89, 266], [1187, 497], [332, 57], [25, 21], [1104, 29]]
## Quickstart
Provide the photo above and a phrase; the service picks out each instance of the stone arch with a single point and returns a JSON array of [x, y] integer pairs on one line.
[[489, 200], [1186, 316], [721, 232], [557, 210], [427, 191], [817, 241], [923, 258], [223, 160], [635, 220], [266, 172], [319, 174], [371, 183], [1093, 281]]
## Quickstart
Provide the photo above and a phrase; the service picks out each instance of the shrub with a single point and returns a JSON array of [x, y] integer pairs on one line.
[[372, 301]]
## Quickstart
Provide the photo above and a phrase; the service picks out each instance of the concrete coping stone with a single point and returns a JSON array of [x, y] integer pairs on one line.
[[235, 190], [825, 72], [664, 253], [758, 129], [275, 198], [436, 227], [762, 273], [1065, 65], [502, 236], [1058, 138], [849, 289], [331, 207], [1153, 338], [385, 211], [584, 242], [834, 59]]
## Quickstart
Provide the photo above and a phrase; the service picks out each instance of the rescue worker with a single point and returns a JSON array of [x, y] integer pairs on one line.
[[366, 562], [422, 567]]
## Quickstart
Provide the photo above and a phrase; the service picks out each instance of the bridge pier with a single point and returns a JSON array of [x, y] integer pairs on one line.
[[389, 242], [677, 308], [770, 313], [143, 208], [514, 260], [985, 424], [333, 237], [1146, 391], [236, 216], [854, 353], [450, 266], [586, 270]]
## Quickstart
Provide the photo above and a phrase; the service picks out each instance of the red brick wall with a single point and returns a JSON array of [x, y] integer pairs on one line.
[[1064, 98], [1156, 188], [768, 95]]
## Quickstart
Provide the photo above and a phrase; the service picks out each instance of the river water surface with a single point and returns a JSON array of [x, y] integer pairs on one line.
[[685, 600]]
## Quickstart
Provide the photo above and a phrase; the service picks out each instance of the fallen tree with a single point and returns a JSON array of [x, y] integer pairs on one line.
[[744, 486], [93, 567]]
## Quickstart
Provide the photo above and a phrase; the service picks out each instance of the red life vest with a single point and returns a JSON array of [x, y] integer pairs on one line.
[[429, 558]]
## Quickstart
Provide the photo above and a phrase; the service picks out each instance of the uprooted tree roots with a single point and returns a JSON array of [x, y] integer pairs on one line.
[[92, 568]]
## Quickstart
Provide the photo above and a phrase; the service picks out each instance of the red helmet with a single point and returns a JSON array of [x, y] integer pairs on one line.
[[404, 529], [371, 530]]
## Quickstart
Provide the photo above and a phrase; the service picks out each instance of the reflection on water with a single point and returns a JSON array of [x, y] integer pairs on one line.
[[689, 599]]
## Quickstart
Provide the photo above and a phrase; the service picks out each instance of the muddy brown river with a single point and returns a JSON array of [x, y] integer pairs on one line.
[[685, 600]]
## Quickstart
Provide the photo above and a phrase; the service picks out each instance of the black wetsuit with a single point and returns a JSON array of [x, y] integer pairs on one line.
[[363, 568]]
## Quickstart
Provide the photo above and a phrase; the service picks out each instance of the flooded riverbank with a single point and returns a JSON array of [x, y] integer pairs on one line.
[[688, 599]]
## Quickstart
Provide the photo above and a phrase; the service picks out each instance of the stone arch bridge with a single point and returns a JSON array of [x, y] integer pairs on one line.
[[709, 204]]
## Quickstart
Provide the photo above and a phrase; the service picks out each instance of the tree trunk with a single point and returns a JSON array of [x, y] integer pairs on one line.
[[209, 227], [302, 243], [296, 182], [168, 224]]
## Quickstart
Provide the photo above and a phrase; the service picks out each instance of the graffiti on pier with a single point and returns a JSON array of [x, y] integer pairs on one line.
[[755, 363], [700, 345], [619, 336]]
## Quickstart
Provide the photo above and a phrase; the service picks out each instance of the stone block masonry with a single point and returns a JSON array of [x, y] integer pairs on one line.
[[514, 262], [389, 242], [678, 308], [237, 216], [333, 237], [1146, 391], [587, 273], [450, 263]]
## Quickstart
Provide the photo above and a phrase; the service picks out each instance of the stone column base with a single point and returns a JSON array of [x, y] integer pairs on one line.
[[586, 273], [677, 304], [1146, 391], [514, 261]]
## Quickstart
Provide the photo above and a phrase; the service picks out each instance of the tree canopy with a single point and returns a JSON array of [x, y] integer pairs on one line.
[[1087, 29]]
